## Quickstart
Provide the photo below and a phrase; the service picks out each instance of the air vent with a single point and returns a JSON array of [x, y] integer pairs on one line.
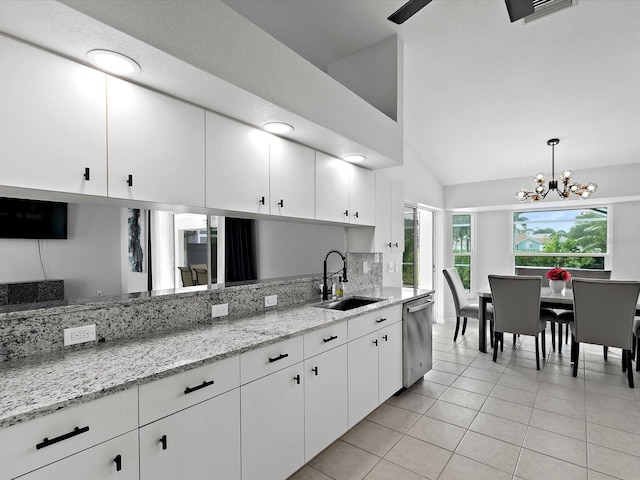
[[547, 7]]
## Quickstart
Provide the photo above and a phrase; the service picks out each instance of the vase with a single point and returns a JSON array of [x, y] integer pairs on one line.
[[557, 286]]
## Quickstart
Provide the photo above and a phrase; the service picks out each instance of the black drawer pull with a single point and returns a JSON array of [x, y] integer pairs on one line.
[[315, 370], [386, 339], [118, 461], [163, 441], [261, 201], [332, 337], [281, 203], [375, 342], [279, 357], [381, 320], [355, 214], [297, 379], [198, 387], [87, 174], [130, 180], [76, 431], [346, 213]]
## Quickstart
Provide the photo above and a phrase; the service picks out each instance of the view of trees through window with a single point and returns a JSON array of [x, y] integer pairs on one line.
[[462, 248], [574, 238]]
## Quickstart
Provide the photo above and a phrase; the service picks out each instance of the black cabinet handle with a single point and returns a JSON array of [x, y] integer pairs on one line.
[[76, 431], [261, 201], [315, 370], [87, 174], [198, 387], [297, 379], [118, 461], [130, 180], [346, 213], [163, 441], [380, 320], [386, 338], [281, 203], [375, 342], [355, 214], [279, 357], [396, 244], [332, 337]]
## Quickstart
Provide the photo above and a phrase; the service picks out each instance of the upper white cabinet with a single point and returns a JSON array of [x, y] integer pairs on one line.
[[362, 200], [237, 166], [389, 214], [292, 179], [156, 146], [52, 122]]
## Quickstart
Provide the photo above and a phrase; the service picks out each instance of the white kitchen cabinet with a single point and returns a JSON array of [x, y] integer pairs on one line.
[[362, 198], [389, 361], [52, 122], [237, 166], [389, 213], [156, 146], [200, 442], [272, 424], [332, 188], [363, 377], [325, 393], [115, 459]]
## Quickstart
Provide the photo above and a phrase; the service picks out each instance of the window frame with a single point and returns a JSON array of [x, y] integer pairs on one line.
[[472, 249]]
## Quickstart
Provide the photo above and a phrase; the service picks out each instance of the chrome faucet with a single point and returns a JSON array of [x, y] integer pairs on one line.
[[325, 293]]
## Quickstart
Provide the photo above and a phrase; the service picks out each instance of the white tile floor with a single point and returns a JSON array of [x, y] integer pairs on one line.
[[471, 418]]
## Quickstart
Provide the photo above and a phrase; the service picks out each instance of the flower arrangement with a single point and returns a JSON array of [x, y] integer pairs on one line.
[[558, 273]]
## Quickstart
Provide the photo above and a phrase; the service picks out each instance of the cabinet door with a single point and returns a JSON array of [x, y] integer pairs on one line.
[[292, 179], [159, 142], [272, 413], [325, 395], [363, 377], [382, 235], [397, 216], [199, 442], [237, 166], [362, 196], [389, 361], [332, 188], [52, 122], [116, 458]]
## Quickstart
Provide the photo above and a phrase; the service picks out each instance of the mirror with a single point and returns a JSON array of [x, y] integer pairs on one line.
[[98, 257]]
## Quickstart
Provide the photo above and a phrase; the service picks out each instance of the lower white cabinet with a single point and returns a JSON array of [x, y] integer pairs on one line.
[[200, 442], [389, 361], [272, 424], [325, 394], [363, 377], [115, 459]]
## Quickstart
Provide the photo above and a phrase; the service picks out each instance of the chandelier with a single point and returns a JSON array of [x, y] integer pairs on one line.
[[564, 185]]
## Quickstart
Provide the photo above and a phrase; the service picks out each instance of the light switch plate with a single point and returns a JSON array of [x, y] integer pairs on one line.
[[365, 267], [270, 300], [219, 310], [75, 335], [390, 267]]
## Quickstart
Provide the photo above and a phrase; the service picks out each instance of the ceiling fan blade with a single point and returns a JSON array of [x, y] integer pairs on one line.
[[407, 10], [519, 9]]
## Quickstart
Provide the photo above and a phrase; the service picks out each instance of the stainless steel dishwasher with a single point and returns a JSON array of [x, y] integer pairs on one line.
[[417, 319]]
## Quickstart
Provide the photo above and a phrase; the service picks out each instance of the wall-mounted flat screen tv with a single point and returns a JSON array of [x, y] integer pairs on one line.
[[21, 218]]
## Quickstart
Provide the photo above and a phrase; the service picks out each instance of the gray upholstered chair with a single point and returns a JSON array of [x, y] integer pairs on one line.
[[636, 336], [516, 309], [604, 315], [464, 309], [187, 276], [201, 275]]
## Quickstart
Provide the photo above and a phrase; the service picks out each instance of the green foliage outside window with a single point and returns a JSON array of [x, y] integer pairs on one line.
[[461, 237]]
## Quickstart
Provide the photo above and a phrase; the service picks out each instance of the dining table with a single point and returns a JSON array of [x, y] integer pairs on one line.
[[548, 299]]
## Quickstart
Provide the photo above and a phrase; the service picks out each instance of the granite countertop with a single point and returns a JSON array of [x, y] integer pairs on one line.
[[35, 386]]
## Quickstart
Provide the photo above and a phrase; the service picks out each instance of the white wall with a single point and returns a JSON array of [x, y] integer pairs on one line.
[[624, 237], [88, 260]]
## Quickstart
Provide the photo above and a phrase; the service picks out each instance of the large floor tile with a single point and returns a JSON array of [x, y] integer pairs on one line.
[[564, 407], [558, 423], [443, 378], [462, 468], [448, 367], [428, 389], [610, 402], [514, 395], [615, 439], [499, 428], [617, 420], [490, 451], [519, 381], [482, 374], [509, 410], [393, 417], [437, 432], [556, 445], [419, 457], [464, 398], [473, 385], [386, 470], [536, 466], [372, 437], [485, 363], [411, 401], [309, 473], [613, 462], [450, 413], [342, 461]]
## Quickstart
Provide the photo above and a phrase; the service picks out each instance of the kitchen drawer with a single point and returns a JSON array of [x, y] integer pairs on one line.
[[24, 447], [324, 339], [169, 395], [271, 358], [370, 322]]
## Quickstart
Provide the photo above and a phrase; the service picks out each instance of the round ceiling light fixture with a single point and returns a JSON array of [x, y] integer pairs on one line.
[[277, 127], [113, 62], [355, 158]]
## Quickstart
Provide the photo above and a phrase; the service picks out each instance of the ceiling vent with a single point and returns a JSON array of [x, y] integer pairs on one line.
[[543, 8]]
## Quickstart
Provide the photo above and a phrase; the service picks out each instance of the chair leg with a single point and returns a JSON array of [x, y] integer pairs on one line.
[[514, 339], [544, 344], [624, 361], [566, 333], [537, 354], [553, 335], [559, 337], [605, 351], [502, 341], [495, 345], [455, 335], [628, 355], [576, 355], [464, 325], [491, 333]]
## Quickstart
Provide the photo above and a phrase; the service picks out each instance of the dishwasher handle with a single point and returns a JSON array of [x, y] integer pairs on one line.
[[422, 306]]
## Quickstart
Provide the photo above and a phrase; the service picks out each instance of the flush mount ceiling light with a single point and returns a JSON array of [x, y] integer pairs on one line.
[[565, 189], [354, 158], [113, 62], [277, 127]]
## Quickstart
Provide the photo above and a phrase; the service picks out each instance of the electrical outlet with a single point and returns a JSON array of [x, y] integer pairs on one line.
[[390, 267], [270, 300], [219, 310], [365, 267], [86, 333]]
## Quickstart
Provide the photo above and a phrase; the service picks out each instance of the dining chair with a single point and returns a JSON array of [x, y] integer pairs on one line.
[[464, 309], [604, 315], [636, 347], [201, 276], [516, 309], [187, 276]]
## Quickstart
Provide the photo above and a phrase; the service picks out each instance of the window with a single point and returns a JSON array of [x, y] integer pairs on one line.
[[417, 259], [461, 237], [575, 238]]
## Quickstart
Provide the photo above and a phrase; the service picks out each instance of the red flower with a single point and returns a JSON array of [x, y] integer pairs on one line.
[[558, 274]]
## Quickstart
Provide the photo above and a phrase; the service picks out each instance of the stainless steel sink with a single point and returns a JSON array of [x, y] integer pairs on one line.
[[348, 303]]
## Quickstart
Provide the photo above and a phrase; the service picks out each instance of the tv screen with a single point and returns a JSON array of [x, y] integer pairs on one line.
[[32, 219]]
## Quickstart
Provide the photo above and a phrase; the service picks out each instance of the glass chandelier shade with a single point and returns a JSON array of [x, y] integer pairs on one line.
[[564, 185]]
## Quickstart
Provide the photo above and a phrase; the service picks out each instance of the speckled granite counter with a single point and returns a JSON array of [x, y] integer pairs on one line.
[[34, 386]]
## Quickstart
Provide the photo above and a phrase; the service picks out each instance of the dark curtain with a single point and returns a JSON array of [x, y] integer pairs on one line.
[[240, 250]]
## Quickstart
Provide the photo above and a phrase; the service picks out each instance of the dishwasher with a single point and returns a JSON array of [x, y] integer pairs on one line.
[[417, 319]]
